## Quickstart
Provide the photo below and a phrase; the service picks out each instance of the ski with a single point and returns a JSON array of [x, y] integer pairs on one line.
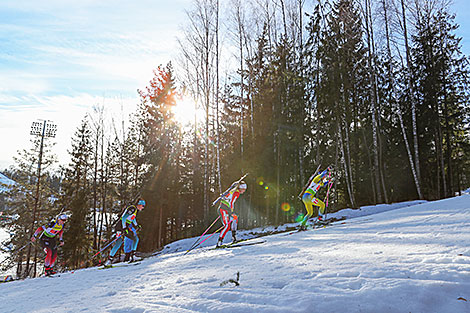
[[316, 225], [119, 265], [235, 184], [240, 243], [245, 244], [51, 276]]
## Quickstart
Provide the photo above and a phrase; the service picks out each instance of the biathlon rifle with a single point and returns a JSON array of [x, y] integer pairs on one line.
[[309, 181], [226, 192]]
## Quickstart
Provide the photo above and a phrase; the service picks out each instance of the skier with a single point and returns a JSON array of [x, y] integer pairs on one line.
[[127, 227], [309, 200], [229, 219], [47, 240]]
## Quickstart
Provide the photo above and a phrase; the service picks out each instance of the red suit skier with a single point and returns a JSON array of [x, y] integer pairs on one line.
[[229, 219]]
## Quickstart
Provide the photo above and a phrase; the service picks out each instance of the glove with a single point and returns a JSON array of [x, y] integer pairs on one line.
[[61, 243], [33, 239], [139, 227], [118, 234]]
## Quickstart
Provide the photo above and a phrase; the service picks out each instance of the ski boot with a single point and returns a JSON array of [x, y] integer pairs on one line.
[[109, 261], [234, 237], [219, 243], [133, 257], [48, 271], [320, 220], [303, 225], [136, 257]]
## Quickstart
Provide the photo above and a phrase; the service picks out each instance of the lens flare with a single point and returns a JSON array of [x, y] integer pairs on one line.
[[285, 207]]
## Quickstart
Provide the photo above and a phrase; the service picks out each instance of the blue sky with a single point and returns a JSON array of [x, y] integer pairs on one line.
[[462, 10], [58, 58]]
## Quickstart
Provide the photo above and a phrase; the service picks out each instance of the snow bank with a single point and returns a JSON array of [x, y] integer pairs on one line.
[[413, 259]]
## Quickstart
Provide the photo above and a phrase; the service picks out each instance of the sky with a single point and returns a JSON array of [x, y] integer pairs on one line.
[[404, 257], [59, 58]]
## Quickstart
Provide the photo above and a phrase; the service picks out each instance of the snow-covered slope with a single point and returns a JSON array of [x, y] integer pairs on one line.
[[414, 259]]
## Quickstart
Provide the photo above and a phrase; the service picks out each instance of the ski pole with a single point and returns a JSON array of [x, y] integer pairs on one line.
[[210, 236], [205, 239], [11, 257], [195, 243], [330, 183], [106, 246]]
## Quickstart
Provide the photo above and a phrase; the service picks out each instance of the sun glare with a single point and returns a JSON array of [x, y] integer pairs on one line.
[[185, 111]]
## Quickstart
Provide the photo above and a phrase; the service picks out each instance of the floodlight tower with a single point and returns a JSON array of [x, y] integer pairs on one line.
[[45, 129]]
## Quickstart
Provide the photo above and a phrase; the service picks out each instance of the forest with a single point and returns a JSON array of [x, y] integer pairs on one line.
[[376, 89]]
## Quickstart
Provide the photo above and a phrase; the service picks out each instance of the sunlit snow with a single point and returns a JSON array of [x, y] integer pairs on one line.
[[410, 259]]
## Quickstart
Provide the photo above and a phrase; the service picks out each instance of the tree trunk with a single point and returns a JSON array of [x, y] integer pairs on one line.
[[412, 98], [242, 87], [373, 105], [95, 189], [160, 228], [370, 165], [397, 106], [219, 181], [441, 155], [345, 167]]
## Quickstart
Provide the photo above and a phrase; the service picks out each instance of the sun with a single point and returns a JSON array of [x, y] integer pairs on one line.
[[185, 111]]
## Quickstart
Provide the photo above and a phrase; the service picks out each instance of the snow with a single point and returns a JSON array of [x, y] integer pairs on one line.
[[400, 259], [4, 182], [3, 236]]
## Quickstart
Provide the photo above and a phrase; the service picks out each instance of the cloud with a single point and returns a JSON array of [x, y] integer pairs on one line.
[[61, 57], [65, 111]]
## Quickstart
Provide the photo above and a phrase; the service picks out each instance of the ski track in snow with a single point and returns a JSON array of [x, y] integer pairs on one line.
[[413, 259]]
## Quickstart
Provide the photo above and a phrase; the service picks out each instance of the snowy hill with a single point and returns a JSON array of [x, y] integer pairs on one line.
[[413, 259]]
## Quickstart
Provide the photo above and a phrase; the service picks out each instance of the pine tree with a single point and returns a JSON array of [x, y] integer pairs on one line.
[[21, 199], [76, 196], [342, 93], [162, 151], [442, 86]]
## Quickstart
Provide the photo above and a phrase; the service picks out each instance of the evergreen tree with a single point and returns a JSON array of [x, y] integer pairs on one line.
[[162, 151], [76, 196], [21, 199], [442, 85], [342, 98]]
